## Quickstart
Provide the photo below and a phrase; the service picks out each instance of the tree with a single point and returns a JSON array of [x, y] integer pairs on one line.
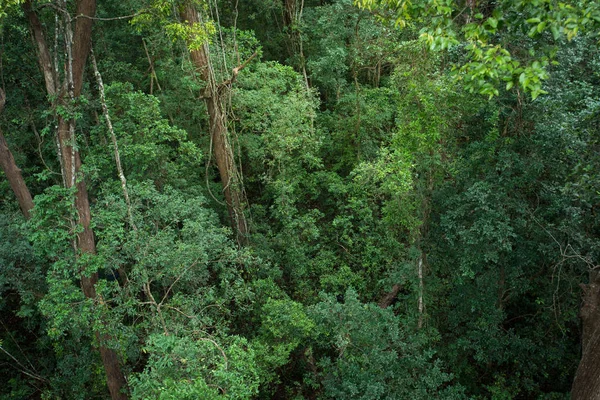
[[222, 146], [486, 30], [77, 47], [483, 29], [12, 171], [481, 217]]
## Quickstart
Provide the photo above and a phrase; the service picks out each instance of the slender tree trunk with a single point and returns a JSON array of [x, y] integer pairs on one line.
[[292, 16], [289, 12], [421, 234], [12, 171], [77, 46], [43, 52], [421, 303], [113, 137], [586, 385], [222, 148]]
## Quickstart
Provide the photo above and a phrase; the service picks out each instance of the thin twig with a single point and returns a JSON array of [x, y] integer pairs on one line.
[[177, 280], [153, 77], [158, 311], [17, 343], [218, 347], [23, 368]]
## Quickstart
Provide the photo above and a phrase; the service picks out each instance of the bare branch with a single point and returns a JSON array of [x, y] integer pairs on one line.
[[236, 70], [23, 369], [108, 19]]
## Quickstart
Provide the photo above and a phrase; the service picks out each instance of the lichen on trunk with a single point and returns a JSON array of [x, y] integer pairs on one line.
[[222, 147]]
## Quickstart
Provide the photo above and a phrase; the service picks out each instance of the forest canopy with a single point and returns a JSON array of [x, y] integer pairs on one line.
[[299, 199]]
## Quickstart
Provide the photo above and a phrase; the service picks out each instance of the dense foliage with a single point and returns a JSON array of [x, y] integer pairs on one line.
[[419, 181]]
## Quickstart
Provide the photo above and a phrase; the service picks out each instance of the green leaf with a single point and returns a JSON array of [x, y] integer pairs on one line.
[[541, 26]]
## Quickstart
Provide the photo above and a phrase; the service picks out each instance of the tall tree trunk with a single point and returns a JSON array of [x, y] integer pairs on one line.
[[222, 148], [12, 171], [43, 52], [420, 303], [113, 137], [289, 13], [77, 45], [586, 385], [292, 16]]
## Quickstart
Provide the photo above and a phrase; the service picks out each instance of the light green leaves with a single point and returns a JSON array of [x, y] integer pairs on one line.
[[195, 35], [489, 61], [6, 6]]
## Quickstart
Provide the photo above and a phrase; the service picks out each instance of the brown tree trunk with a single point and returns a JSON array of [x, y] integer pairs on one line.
[[115, 380], [222, 148], [13, 173], [77, 44], [389, 297], [289, 12], [586, 385], [227, 169], [43, 53], [292, 16]]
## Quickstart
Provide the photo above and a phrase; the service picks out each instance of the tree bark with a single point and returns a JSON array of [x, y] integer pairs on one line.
[[113, 137], [72, 167], [389, 298], [586, 385], [292, 16], [289, 12], [421, 303], [77, 44], [43, 53], [222, 148], [13, 172]]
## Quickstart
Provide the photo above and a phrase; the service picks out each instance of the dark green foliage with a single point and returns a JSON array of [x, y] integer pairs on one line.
[[365, 352], [150, 147], [514, 246], [367, 167], [182, 368]]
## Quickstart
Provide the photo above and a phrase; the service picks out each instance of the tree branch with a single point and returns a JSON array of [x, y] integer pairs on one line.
[[236, 70]]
